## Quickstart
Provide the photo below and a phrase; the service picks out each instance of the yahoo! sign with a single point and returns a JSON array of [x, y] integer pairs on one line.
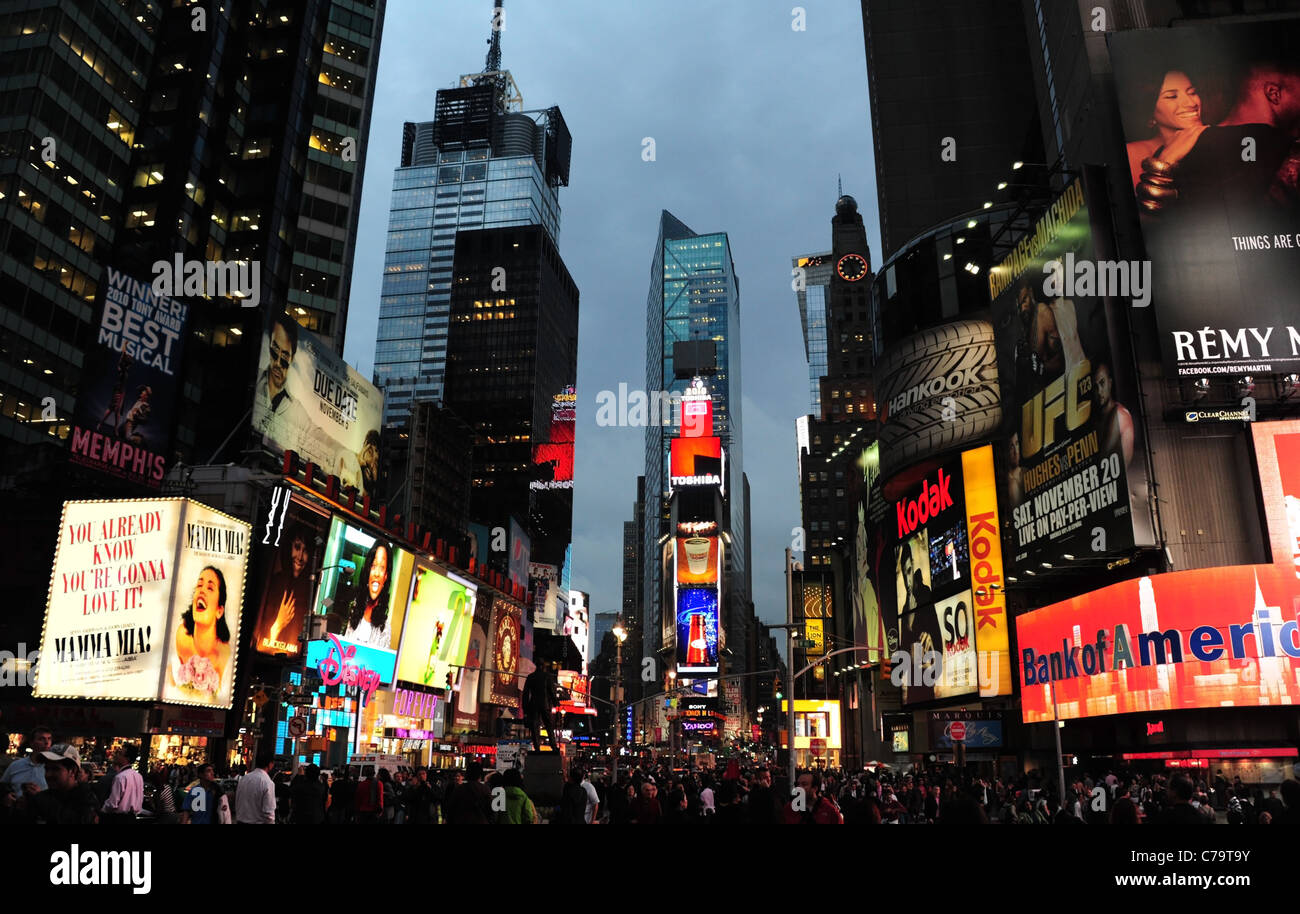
[[341, 662]]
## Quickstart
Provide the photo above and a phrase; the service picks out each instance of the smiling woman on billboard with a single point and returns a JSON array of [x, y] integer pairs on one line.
[[203, 637], [368, 605]]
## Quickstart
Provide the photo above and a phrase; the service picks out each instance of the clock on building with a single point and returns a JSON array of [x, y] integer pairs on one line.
[[851, 267]]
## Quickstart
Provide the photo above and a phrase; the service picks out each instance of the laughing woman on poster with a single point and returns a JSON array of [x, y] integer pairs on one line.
[[203, 638], [368, 620]]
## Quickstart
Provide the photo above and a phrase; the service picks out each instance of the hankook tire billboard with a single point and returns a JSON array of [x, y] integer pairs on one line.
[[938, 391]]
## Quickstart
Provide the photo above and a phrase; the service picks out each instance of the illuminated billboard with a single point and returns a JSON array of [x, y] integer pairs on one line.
[[1206, 638], [364, 585], [436, 633], [697, 630], [145, 603], [1277, 454], [310, 401], [1210, 123], [556, 453], [1074, 456], [815, 719], [292, 546], [124, 415], [696, 461], [698, 559], [506, 646]]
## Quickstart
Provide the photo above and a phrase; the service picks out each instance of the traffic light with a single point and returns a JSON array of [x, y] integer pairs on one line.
[[776, 686]]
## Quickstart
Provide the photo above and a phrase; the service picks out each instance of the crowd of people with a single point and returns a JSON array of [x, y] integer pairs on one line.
[[50, 784]]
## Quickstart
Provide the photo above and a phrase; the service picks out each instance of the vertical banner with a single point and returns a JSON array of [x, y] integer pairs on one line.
[[292, 545], [506, 644], [992, 638], [1075, 472], [129, 383], [209, 596], [1277, 454]]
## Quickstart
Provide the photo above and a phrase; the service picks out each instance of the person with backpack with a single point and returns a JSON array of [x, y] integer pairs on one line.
[[573, 801], [471, 802], [419, 799], [519, 809], [816, 809]]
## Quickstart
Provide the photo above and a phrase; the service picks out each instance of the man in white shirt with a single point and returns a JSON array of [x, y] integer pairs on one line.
[[707, 805], [126, 797], [255, 794], [593, 798]]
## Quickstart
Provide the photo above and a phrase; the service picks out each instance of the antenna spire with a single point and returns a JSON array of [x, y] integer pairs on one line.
[[839, 184], [493, 63]]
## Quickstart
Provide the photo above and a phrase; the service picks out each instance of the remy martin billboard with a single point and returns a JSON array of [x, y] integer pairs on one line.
[[1210, 116]]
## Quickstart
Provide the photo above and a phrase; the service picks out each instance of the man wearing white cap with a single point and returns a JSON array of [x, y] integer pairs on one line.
[[67, 801]]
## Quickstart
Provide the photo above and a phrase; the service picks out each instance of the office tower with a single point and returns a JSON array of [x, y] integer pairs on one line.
[[943, 142], [602, 625], [511, 368], [483, 162], [694, 295], [132, 136], [162, 139], [816, 279]]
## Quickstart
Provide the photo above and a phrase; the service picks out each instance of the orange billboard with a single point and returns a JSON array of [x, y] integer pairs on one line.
[[698, 558], [696, 461], [1206, 638]]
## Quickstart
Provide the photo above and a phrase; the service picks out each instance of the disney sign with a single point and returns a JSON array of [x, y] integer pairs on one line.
[[339, 666]]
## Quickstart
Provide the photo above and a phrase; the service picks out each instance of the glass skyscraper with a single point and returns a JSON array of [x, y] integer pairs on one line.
[[472, 167], [694, 295], [812, 317]]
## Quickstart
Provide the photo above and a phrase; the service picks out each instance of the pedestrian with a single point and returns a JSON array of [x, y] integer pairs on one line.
[[126, 796], [762, 803], [573, 799], [164, 800], [308, 797], [708, 802], [809, 807], [29, 767], [519, 809], [65, 801], [205, 802], [369, 799], [1181, 811], [419, 799], [645, 809], [342, 791], [470, 803], [255, 793]]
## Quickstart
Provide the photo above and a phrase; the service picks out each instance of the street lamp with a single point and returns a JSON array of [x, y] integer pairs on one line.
[[621, 634]]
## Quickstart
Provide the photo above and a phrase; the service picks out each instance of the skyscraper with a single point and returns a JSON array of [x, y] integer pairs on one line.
[[137, 132], [482, 162], [942, 145], [816, 276], [694, 295], [511, 369]]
